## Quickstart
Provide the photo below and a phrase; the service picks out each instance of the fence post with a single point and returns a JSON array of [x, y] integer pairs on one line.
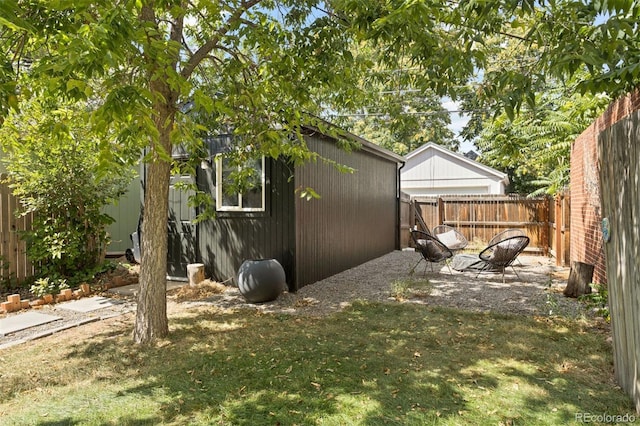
[[559, 219], [546, 230], [441, 217], [412, 214]]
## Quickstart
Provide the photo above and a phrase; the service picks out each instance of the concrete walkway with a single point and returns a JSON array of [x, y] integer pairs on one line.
[[33, 324]]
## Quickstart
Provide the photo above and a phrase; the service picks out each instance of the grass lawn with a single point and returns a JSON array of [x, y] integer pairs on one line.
[[398, 364]]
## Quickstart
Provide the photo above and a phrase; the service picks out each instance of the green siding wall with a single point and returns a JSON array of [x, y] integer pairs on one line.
[[126, 214]]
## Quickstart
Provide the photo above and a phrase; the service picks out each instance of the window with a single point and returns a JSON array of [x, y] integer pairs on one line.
[[252, 198]]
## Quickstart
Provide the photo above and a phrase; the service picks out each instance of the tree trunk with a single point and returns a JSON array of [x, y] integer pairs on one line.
[[580, 277], [151, 314]]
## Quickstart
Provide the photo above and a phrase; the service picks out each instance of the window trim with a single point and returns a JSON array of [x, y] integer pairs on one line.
[[239, 208]]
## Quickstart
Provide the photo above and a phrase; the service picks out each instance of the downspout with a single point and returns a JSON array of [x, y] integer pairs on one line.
[[398, 209]]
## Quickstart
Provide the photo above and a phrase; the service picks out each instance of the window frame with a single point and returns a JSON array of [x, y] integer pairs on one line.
[[218, 159]]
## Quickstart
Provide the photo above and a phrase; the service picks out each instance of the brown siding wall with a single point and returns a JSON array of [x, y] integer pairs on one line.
[[586, 215], [354, 220]]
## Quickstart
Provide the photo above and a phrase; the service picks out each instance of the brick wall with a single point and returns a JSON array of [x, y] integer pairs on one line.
[[586, 219]]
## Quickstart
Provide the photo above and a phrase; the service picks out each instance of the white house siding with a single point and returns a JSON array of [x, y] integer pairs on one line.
[[433, 170]]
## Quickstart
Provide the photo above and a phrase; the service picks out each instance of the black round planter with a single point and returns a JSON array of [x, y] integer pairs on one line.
[[261, 280]]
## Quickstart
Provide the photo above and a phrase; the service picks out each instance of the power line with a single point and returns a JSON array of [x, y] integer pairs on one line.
[[380, 114]]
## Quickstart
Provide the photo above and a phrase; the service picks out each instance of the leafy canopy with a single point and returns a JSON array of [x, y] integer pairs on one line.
[[534, 147]]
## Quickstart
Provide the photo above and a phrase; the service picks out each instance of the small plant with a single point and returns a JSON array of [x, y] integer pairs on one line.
[[598, 300], [552, 303], [49, 151], [5, 276], [406, 288], [90, 274], [44, 286], [399, 289]]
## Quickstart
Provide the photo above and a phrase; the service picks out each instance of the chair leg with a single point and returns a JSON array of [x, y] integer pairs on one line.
[[414, 267], [482, 270], [515, 272]]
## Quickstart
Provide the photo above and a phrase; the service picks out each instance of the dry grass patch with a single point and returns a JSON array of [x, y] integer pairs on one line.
[[411, 288], [200, 291]]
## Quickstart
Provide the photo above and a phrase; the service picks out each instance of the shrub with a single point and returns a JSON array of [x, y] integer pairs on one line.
[[44, 286], [57, 167], [598, 300]]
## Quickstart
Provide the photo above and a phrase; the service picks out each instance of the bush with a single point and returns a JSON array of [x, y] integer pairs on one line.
[[58, 168], [598, 300], [44, 286]]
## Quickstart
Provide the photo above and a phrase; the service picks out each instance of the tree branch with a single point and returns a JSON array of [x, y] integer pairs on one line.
[[210, 44]]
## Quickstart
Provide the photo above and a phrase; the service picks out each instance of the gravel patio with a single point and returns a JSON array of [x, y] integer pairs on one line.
[[537, 292]]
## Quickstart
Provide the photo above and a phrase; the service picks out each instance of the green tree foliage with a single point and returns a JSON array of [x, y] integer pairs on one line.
[[402, 121], [595, 41], [407, 130], [50, 156], [453, 41], [534, 147], [395, 111]]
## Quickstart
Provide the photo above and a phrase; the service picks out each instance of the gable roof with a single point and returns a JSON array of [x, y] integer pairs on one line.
[[448, 153]]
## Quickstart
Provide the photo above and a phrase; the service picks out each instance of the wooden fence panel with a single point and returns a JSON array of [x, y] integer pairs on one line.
[[13, 257], [620, 195], [405, 219], [558, 228], [427, 208]]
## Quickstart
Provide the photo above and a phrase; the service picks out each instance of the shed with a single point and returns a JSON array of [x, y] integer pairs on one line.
[[354, 220], [433, 170]]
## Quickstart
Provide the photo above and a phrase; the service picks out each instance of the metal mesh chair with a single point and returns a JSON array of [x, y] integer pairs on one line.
[[501, 254], [507, 233], [450, 237], [431, 249]]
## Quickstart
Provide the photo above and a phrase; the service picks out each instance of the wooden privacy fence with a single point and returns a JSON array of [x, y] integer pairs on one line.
[[544, 219], [14, 264], [619, 148]]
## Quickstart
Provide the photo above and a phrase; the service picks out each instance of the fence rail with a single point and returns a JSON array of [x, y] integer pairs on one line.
[[545, 220]]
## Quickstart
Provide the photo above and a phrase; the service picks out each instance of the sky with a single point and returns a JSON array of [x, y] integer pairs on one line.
[[457, 122]]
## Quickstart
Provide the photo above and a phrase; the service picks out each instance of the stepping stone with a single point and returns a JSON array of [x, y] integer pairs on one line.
[[23, 321], [89, 304]]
